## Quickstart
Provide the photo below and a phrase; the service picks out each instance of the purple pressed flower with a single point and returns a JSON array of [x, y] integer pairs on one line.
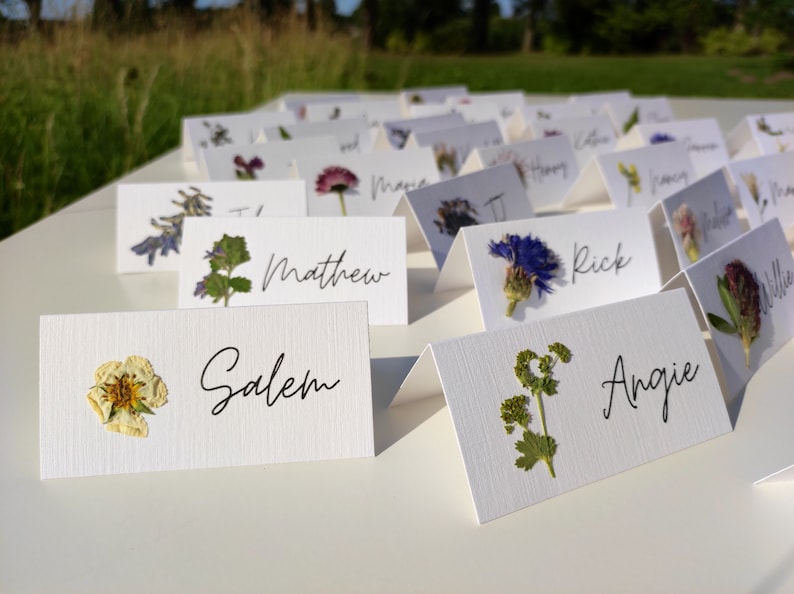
[[247, 169], [660, 137], [531, 263], [217, 251], [201, 288], [336, 179], [149, 247], [550, 133]]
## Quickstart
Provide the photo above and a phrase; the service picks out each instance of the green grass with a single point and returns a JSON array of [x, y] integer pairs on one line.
[[79, 109]]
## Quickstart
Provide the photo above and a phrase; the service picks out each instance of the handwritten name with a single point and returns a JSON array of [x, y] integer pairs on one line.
[[589, 139], [380, 185], [659, 376], [668, 179], [327, 272], [242, 209], [775, 286], [284, 387], [780, 191], [720, 220], [349, 147], [694, 147], [583, 264], [539, 171]]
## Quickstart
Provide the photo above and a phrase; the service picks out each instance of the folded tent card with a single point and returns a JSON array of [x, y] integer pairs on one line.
[[394, 134], [150, 218], [352, 134], [506, 102], [472, 113], [518, 126], [374, 111], [589, 136], [215, 130], [298, 103], [537, 268], [746, 299], [628, 112], [180, 389], [439, 94], [542, 408], [762, 134], [255, 261], [634, 178], [438, 211], [599, 99], [547, 167], [702, 138]]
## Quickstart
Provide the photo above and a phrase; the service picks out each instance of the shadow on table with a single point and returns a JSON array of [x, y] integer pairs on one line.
[[779, 579], [392, 424]]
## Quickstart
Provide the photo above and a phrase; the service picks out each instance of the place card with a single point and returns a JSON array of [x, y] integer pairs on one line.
[[547, 167], [175, 390], [694, 222], [365, 185], [507, 102], [519, 123], [394, 134], [599, 99], [702, 138], [537, 268], [765, 186], [589, 136], [268, 160], [254, 261], [439, 94], [150, 217], [375, 111], [440, 210], [746, 300], [220, 129], [451, 146], [472, 113], [299, 103], [634, 178], [762, 134], [352, 134], [625, 114], [542, 408]]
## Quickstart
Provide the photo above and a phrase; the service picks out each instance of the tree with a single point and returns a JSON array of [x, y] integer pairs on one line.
[[479, 24], [530, 11]]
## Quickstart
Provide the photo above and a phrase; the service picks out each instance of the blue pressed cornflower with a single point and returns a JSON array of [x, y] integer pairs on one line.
[[660, 137], [531, 263], [148, 247]]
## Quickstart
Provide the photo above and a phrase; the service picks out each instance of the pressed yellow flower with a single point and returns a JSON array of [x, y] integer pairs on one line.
[[123, 391]]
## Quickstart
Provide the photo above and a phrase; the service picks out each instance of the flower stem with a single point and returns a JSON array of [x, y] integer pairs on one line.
[[342, 204], [541, 413], [551, 468], [746, 345], [511, 307]]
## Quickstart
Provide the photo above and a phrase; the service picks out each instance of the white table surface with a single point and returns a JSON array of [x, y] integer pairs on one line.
[[400, 522]]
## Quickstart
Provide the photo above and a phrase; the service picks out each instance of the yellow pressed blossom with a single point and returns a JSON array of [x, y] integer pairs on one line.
[[123, 391], [632, 177]]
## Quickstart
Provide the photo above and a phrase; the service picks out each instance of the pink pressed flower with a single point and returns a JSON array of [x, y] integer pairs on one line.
[[685, 223], [335, 179]]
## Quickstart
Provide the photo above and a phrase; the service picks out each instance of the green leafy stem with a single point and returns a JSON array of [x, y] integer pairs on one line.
[[226, 255], [532, 446]]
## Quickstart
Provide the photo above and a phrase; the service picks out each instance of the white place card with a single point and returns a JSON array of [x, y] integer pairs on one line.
[[394, 134], [519, 123], [547, 167], [762, 134], [150, 218], [442, 209], [299, 103], [745, 294], [215, 130], [365, 185], [374, 111], [439, 94], [451, 146], [352, 134], [543, 408], [694, 222], [589, 136], [428, 110], [635, 178], [765, 186], [625, 114], [599, 99], [174, 390], [253, 261], [268, 160], [702, 138], [537, 268], [507, 102]]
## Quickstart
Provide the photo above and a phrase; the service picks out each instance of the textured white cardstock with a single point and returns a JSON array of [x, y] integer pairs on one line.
[[442, 209], [507, 102], [253, 385], [451, 146], [645, 388], [378, 181], [762, 134], [269, 160], [758, 267], [150, 217], [375, 111], [298, 103], [601, 257], [625, 114], [418, 95], [547, 167], [598, 100], [635, 178], [394, 134], [519, 123], [702, 138], [698, 220], [590, 135], [221, 129], [765, 186], [352, 134], [304, 260]]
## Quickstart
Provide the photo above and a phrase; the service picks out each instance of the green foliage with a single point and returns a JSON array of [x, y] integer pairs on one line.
[[396, 42], [534, 448], [738, 42], [227, 254]]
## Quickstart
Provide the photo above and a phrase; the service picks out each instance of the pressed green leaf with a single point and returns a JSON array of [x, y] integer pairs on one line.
[[284, 134], [140, 407], [216, 285], [240, 284], [728, 301], [114, 412], [532, 448], [721, 324], [633, 119]]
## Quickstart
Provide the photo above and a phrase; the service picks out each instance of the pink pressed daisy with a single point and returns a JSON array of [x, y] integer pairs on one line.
[[336, 179]]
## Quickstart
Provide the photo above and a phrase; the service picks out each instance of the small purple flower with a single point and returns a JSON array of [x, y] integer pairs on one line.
[[201, 288], [247, 169], [217, 251], [660, 137], [149, 247], [548, 133]]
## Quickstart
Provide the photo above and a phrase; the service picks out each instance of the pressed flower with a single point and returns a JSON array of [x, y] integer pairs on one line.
[[751, 181], [551, 132], [686, 225], [762, 126], [194, 205], [337, 180], [446, 158], [632, 178], [530, 263], [226, 255], [740, 296], [660, 137], [123, 392], [519, 162], [454, 214], [247, 169]]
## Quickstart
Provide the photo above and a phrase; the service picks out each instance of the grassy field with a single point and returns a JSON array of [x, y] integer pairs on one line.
[[78, 109]]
